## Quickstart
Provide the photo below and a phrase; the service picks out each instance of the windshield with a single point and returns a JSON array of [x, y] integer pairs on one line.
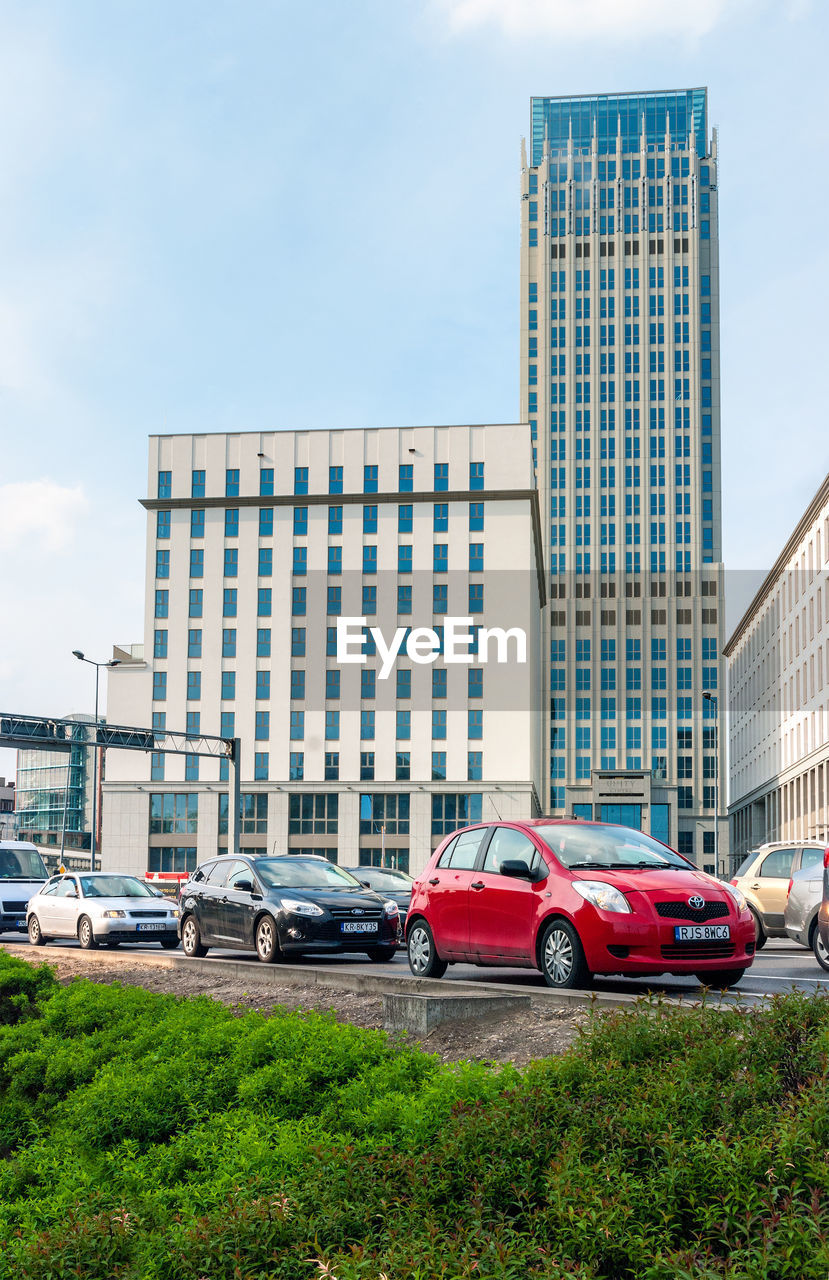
[[114, 887], [22, 864], [383, 878], [285, 873], [585, 846]]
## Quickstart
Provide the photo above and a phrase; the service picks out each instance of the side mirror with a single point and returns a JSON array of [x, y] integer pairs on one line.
[[246, 886], [516, 867], [365, 884]]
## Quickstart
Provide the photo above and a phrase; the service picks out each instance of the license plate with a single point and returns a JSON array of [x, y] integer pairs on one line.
[[151, 926], [21, 924], [364, 926], [701, 932]]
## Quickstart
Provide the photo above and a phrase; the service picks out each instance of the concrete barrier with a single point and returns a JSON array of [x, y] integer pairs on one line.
[[420, 1014]]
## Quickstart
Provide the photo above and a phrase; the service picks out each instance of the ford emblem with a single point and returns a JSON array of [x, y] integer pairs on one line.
[[357, 911], [696, 902]]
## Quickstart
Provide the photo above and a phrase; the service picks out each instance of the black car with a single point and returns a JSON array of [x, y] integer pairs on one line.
[[389, 883], [284, 906]]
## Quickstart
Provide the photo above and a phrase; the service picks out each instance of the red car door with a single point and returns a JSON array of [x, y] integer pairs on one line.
[[502, 909], [448, 885]]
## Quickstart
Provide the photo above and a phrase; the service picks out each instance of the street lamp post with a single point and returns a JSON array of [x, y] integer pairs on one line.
[[114, 662], [710, 697]]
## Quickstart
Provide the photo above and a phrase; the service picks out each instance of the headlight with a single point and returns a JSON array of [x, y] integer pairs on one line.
[[391, 908], [602, 895], [114, 915], [737, 894], [175, 913], [301, 908]]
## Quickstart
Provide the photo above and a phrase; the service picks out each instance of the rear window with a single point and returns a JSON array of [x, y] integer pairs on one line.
[[744, 866], [811, 858]]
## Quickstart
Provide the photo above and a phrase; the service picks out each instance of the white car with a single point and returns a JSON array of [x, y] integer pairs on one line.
[[98, 906], [802, 906]]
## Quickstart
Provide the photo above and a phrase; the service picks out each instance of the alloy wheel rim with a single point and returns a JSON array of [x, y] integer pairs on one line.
[[85, 931], [419, 950], [33, 928], [822, 950], [189, 935], [265, 939], [558, 956]]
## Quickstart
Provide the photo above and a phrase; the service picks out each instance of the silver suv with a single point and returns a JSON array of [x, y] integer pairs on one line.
[[764, 879]]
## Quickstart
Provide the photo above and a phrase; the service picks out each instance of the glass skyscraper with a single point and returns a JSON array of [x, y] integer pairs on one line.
[[620, 378]]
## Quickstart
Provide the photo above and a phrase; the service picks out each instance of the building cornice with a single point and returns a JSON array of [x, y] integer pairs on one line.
[[372, 499]]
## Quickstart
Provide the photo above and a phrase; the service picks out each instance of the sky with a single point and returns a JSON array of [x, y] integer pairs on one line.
[[224, 216]]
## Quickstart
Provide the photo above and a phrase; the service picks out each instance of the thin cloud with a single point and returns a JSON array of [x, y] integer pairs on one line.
[[39, 515], [595, 19]]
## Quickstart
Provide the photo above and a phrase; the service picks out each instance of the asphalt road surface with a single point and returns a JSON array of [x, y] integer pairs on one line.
[[781, 966]]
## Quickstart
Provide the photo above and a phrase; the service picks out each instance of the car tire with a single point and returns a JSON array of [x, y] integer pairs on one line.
[[169, 944], [267, 943], [820, 951], [191, 941], [424, 960], [562, 957], [380, 954], [35, 932], [720, 978], [86, 936], [760, 938]]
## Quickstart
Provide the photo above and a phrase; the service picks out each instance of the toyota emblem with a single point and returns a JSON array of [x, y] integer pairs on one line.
[[696, 902]]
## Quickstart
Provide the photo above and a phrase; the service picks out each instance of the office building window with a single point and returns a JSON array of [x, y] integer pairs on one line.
[[232, 522], [263, 641], [335, 479], [332, 766], [159, 686], [369, 479], [300, 480], [441, 477], [384, 814], [261, 762], [229, 602], [405, 478], [296, 766], [196, 604], [366, 766], [402, 766], [228, 686], [197, 485], [313, 814], [438, 766], [160, 644], [449, 812], [196, 524], [266, 482]]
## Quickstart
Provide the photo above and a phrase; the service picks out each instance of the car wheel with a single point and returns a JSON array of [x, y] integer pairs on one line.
[[562, 957], [169, 944], [267, 943], [35, 934], [379, 954], [760, 938], [818, 946], [191, 941], [720, 978], [424, 960], [85, 935]]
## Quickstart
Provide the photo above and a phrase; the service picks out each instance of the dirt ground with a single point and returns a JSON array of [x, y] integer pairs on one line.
[[520, 1037]]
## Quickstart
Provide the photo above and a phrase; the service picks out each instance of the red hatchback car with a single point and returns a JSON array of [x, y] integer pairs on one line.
[[575, 899]]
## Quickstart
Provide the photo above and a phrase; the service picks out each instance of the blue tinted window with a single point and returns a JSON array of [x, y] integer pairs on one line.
[[165, 484], [162, 564], [476, 475], [369, 519], [196, 603], [231, 562], [476, 516], [335, 520], [441, 476], [263, 684], [405, 483], [197, 484], [193, 643], [300, 521], [197, 523], [335, 479], [162, 524], [404, 519], [160, 644], [232, 484], [300, 480], [263, 642], [229, 642], [197, 562], [369, 479], [232, 522], [229, 602], [266, 482], [265, 562], [266, 522], [263, 602], [441, 517]]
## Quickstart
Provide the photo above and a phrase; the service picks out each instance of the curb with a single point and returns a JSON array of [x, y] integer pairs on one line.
[[378, 984]]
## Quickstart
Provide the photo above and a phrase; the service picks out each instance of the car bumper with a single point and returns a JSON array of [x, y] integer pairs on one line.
[[303, 933], [127, 930], [797, 935], [631, 946], [13, 922]]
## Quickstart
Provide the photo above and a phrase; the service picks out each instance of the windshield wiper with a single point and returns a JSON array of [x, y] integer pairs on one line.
[[653, 866], [603, 866]]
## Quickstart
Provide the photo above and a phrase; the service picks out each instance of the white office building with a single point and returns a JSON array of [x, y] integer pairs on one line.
[[778, 693], [362, 610]]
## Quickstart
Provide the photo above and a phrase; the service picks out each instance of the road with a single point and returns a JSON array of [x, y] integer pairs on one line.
[[781, 966]]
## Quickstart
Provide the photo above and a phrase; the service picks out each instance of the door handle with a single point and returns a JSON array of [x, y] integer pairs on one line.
[[477, 884], [755, 886], [435, 880]]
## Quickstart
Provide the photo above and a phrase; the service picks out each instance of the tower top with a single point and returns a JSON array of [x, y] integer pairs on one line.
[[595, 122]]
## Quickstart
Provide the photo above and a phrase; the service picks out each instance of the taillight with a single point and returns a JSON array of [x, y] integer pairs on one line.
[[735, 882], [826, 857], [788, 891]]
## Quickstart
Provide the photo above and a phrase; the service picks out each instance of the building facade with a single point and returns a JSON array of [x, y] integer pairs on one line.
[[294, 580], [620, 385], [778, 691], [54, 792]]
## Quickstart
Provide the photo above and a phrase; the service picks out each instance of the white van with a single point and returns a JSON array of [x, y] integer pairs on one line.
[[22, 873]]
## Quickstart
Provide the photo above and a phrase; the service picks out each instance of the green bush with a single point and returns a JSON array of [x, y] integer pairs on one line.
[[150, 1138]]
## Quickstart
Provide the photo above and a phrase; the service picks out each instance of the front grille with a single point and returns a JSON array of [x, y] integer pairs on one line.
[[148, 915], [347, 913], [18, 907], [699, 951], [681, 911]]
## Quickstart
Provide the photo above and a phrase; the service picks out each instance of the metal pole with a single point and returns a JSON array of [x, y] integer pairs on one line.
[[234, 799], [716, 786], [94, 774], [65, 802]]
